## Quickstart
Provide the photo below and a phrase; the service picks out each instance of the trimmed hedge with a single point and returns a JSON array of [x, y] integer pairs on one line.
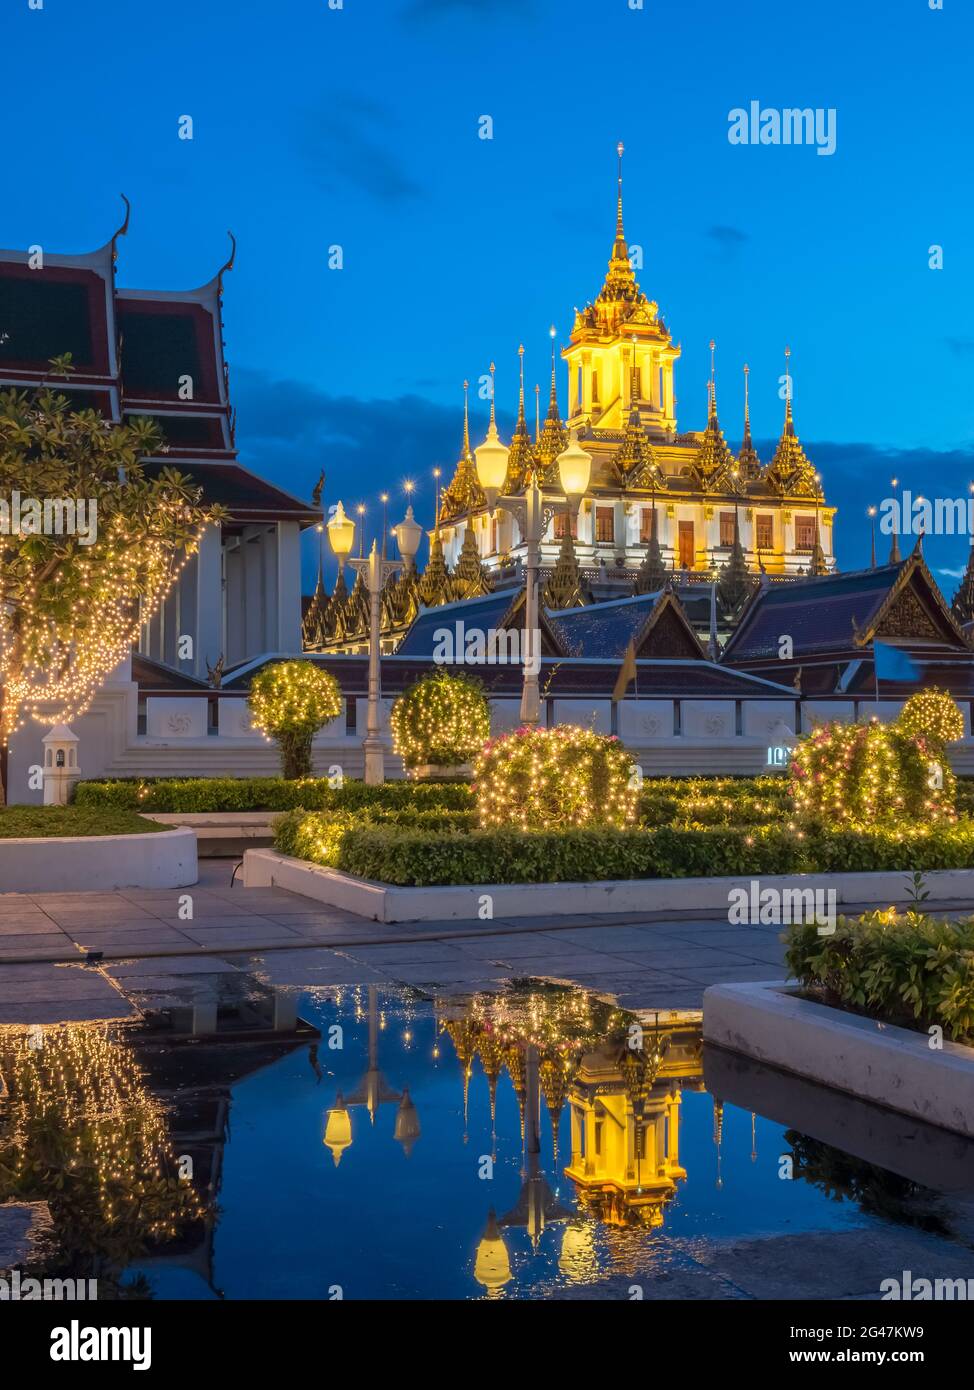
[[197, 794], [38, 822], [420, 855], [912, 970]]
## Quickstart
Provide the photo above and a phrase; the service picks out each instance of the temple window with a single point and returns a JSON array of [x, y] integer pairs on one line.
[[804, 533], [727, 528], [605, 525], [595, 386], [764, 532], [560, 520], [646, 525]]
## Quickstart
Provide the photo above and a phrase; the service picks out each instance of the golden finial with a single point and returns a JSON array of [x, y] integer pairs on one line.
[[747, 403], [492, 369], [552, 332], [788, 417], [712, 384], [620, 151], [466, 419], [537, 412], [520, 408]]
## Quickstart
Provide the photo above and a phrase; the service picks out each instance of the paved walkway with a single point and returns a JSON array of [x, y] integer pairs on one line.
[[149, 945]]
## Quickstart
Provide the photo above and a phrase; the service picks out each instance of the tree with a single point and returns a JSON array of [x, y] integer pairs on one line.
[[441, 720], [290, 701], [89, 547]]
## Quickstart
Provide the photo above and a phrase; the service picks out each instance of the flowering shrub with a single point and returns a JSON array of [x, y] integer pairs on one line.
[[932, 715], [545, 779], [443, 719], [866, 774], [290, 701]]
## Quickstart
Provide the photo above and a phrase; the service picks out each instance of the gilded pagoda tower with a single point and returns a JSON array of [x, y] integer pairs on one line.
[[687, 504]]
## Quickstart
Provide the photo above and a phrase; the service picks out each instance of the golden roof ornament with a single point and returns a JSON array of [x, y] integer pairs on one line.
[[434, 586], [790, 472], [521, 458], [464, 493], [470, 579], [563, 588], [748, 462], [554, 436], [714, 468]]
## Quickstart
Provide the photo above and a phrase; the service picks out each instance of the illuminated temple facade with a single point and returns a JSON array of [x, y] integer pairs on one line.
[[621, 404]]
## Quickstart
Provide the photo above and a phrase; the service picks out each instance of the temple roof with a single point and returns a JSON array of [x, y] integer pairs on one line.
[[495, 611], [842, 613], [604, 630]]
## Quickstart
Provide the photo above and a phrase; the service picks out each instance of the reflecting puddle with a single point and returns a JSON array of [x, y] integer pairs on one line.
[[249, 1142]]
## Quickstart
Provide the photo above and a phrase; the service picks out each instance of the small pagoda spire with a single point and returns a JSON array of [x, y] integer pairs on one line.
[[790, 472], [554, 436], [521, 455], [894, 551], [464, 493], [469, 578], [735, 584], [652, 573], [564, 586], [963, 604], [748, 462], [434, 586], [789, 421], [537, 412]]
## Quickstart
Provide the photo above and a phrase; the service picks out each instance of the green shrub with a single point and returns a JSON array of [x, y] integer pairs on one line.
[[866, 774], [911, 970], [441, 719], [406, 851], [546, 779], [191, 795], [290, 701]]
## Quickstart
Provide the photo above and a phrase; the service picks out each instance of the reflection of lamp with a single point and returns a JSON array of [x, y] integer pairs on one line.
[[341, 533], [492, 1267], [407, 1123], [338, 1129]]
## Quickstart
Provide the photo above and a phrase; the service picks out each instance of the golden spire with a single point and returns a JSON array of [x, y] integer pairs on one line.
[[537, 412], [465, 452], [620, 233], [554, 436], [748, 463], [521, 455], [712, 393], [790, 473], [492, 422]]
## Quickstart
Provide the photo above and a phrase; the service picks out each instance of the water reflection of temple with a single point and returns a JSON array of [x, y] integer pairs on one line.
[[622, 1081], [625, 1122]]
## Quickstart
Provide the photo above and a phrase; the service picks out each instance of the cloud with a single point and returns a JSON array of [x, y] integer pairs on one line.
[[353, 141], [728, 239]]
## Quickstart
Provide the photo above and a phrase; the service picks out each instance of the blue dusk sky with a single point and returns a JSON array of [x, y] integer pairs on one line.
[[360, 126]]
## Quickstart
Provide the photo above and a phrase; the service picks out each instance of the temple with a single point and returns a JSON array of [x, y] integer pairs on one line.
[[690, 491], [160, 354]]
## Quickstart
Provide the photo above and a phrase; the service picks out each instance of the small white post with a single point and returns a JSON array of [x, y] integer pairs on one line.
[[61, 769]]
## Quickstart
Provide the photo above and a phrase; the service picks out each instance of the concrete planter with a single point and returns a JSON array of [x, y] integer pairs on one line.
[[442, 772], [893, 1067], [220, 834], [701, 897], [98, 863]]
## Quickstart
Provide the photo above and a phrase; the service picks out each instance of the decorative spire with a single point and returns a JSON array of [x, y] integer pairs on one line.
[[537, 412], [963, 604], [714, 468], [554, 436], [790, 473], [435, 586], [652, 573], [521, 456], [735, 584], [469, 578], [620, 282], [564, 586], [464, 493], [748, 463]]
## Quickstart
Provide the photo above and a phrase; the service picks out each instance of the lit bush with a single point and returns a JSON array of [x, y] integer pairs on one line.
[[290, 701], [865, 774], [442, 720], [932, 715], [546, 779]]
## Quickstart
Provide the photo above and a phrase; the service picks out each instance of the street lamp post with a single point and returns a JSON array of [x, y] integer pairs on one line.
[[532, 513], [376, 570]]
